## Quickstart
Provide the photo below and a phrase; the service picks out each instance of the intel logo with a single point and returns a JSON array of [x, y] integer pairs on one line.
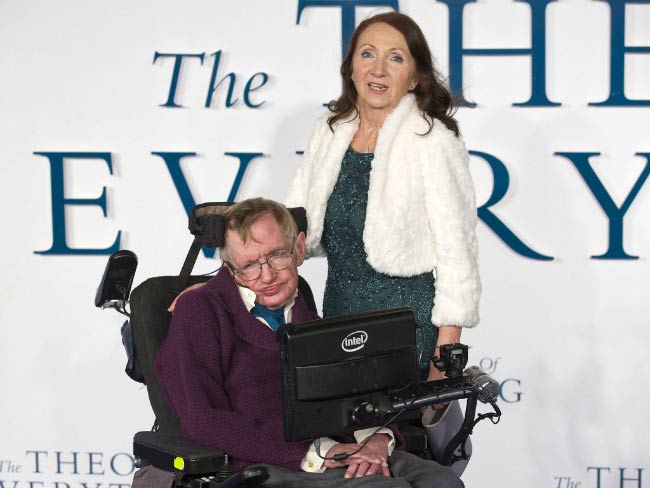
[[354, 341]]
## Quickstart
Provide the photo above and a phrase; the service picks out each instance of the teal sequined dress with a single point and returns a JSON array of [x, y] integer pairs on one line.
[[352, 284]]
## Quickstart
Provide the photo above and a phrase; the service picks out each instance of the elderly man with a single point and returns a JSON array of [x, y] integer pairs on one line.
[[219, 366]]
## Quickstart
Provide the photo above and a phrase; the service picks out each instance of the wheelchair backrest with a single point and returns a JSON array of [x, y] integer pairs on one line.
[[150, 323]]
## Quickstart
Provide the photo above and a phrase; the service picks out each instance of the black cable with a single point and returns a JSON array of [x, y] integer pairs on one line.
[[492, 415], [463, 453], [122, 309], [211, 272], [468, 431], [344, 456]]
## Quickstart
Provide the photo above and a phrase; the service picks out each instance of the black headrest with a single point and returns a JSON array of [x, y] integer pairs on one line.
[[209, 225]]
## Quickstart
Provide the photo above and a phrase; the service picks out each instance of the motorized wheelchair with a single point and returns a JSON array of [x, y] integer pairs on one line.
[[143, 333]]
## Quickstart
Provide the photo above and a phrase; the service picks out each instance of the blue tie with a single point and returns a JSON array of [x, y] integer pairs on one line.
[[275, 318]]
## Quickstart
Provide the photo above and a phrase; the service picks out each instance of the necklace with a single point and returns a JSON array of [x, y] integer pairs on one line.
[[371, 138]]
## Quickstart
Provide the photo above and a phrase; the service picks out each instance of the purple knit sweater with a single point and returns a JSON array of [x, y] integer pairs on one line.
[[219, 368]]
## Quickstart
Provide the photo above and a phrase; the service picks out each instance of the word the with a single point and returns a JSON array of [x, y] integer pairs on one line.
[[254, 83]]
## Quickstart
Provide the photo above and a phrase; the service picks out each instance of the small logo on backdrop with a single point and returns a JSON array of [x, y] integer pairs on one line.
[[354, 341]]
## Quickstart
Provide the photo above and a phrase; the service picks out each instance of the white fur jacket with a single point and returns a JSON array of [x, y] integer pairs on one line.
[[421, 213]]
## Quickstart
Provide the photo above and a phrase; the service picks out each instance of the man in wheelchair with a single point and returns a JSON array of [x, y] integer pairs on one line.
[[219, 367]]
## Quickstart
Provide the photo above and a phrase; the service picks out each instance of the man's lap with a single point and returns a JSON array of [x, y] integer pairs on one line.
[[408, 471]]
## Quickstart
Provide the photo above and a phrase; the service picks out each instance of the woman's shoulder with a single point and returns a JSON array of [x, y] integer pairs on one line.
[[432, 133], [321, 129], [321, 122], [325, 136], [409, 119], [323, 125], [429, 143]]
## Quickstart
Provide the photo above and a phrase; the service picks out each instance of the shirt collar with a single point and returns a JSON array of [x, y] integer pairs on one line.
[[248, 297]]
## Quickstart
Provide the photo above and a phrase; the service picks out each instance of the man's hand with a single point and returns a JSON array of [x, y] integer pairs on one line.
[[372, 459]]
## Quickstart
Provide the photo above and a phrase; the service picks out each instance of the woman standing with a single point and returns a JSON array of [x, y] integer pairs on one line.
[[387, 189]]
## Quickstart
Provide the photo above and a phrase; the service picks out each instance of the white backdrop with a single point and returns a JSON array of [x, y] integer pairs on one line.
[[567, 336]]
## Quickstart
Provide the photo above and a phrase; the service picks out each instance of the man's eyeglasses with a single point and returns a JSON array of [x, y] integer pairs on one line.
[[277, 261]]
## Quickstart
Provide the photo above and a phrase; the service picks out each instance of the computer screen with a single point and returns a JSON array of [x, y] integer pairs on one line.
[[333, 365]]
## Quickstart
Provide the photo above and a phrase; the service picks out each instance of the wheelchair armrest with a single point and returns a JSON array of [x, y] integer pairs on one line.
[[171, 452]]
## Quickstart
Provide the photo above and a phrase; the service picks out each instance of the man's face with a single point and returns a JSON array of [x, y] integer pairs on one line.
[[273, 289]]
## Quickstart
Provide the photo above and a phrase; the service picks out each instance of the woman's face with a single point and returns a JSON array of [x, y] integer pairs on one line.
[[383, 70]]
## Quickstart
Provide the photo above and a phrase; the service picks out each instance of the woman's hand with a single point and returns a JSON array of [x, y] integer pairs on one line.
[[372, 459], [173, 305], [434, 375], [447, 334]]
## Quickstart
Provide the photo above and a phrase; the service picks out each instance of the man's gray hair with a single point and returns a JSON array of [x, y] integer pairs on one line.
[[241, 217]]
